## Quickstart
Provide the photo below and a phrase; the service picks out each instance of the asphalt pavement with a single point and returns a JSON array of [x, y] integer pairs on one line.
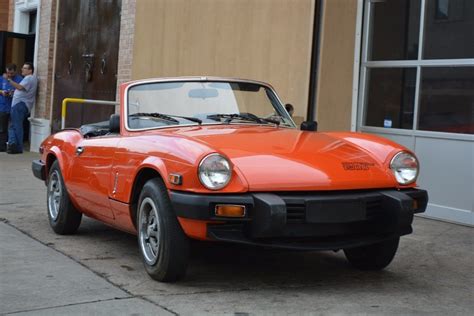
[[98, 270]]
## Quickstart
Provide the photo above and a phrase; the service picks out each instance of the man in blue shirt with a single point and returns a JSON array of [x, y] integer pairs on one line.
[[22, 103], [6, 96]]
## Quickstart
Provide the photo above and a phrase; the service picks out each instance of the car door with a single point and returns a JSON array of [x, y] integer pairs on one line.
[[91, 174]]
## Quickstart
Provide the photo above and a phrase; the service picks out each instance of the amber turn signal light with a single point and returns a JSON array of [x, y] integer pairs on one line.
[[176, 179], [230, 210]]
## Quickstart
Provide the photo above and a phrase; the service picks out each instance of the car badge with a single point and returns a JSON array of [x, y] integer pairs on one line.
[[357, 166]]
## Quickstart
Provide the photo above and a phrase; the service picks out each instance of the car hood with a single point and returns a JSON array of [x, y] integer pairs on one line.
[[282, 159]]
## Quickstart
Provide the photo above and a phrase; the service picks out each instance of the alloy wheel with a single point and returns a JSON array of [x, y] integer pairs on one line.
[[55, 192], [149, 231]]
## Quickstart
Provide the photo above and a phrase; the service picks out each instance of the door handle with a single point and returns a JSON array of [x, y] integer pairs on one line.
[[88, 71], [103, 65], [79, 150]]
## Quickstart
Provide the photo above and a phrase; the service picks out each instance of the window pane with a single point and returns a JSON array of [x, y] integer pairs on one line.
[[449, 26], [391, 95], [395, 29], [447, 100]]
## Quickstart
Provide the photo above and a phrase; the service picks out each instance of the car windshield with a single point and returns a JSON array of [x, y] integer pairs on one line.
[[152, 105]]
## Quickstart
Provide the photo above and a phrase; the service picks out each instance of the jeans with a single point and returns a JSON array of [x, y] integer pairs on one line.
[[15, 132], [4, 129]]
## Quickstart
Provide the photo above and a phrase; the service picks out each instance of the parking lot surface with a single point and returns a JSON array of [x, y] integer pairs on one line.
[[98, 270]]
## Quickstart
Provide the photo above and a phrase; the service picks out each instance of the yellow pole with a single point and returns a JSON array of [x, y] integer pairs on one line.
[[76, 100], [63, 109]]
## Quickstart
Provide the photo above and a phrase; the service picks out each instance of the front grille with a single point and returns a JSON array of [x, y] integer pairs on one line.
[[296, 204], [295, 213]]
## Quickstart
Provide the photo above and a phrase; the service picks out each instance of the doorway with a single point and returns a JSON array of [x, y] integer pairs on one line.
[[86, 59]]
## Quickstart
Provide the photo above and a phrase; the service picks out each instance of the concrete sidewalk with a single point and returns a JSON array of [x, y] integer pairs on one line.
[[37, 280]]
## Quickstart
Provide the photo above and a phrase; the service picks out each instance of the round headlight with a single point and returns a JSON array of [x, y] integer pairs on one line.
[[214, 171], [405, 167]]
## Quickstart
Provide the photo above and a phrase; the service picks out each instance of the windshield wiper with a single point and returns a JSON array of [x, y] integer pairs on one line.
[[168, 117], [241, 116], [157, 115]]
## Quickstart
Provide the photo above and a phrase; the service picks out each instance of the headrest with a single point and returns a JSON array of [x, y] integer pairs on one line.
[[114, 123]]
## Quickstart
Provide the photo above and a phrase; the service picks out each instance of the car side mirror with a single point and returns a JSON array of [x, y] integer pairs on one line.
[[309, 126]]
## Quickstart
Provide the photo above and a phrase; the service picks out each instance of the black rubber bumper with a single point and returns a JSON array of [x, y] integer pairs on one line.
[[307, 220], [39, 169]]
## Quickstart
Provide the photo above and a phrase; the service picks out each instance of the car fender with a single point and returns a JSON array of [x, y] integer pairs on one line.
[[64, 160], [57, 154], [154, 163], [63, 154], [131, 177]]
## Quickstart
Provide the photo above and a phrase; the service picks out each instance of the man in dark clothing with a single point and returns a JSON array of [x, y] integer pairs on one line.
[[6, 96]]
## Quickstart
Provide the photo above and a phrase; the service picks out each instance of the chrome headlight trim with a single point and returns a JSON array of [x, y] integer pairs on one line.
[[215, 179], [405, 174]]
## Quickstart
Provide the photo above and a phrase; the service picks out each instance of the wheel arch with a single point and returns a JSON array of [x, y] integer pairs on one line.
[[53, 155], [145, 174]]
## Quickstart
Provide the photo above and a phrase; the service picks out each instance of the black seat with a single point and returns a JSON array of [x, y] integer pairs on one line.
[[95, 129]]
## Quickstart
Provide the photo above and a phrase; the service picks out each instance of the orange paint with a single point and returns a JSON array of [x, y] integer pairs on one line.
[[194, 228], [264, 159]]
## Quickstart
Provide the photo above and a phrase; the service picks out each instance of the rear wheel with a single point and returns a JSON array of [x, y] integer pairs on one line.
[[63, 217], [373, 257], [163, 245]]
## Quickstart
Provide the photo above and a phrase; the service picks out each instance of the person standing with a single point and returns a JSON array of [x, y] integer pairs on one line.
[[22, 103], [6, 94]]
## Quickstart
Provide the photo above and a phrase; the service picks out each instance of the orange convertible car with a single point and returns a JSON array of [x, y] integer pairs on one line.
[[221, 159]]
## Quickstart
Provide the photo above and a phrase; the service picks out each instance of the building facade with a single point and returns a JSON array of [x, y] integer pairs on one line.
[[401, 69]]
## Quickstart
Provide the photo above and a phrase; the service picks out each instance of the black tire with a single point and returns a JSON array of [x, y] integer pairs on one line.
[[373, 257], [63, 216], [163, 246]]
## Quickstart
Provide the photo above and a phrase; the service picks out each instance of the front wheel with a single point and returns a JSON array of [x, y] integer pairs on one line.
[[373, 257], [63, 217], [163, 245]]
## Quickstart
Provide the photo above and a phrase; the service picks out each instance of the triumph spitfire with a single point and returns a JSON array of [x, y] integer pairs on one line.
[[221, 159]]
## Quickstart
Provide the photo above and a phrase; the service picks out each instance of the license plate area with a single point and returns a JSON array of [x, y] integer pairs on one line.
[[335, 211]]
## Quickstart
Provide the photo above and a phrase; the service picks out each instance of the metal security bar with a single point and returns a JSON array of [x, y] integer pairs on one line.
[[76, 100]]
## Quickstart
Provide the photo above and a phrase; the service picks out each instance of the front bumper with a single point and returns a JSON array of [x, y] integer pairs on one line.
[[39, 169], [307, 220]]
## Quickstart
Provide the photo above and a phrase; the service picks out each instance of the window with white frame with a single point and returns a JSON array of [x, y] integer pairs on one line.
[[418, 65]]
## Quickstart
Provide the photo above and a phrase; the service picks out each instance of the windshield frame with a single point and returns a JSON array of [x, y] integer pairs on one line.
[[203, 79]]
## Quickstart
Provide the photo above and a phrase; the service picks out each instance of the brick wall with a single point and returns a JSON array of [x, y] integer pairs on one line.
[[127, 32], [4, 14], [44, 67], [11, 11]]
